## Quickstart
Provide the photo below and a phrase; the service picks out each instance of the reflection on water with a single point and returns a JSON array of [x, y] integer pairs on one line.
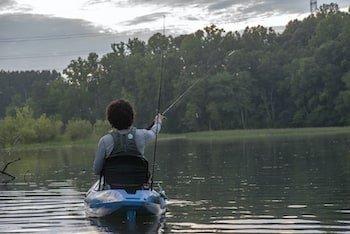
[[269, 186], [117, 224], [42, 209]]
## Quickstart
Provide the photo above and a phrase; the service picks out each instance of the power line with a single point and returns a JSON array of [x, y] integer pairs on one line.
[[54, 37], [37, 56]]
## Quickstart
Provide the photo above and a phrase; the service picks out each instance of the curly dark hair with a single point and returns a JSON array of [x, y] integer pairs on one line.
[[120, 114]]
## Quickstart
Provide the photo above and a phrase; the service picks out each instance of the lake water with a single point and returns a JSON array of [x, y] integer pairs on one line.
[[298, 185]]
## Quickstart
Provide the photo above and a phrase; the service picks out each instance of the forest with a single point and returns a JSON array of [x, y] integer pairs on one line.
[[257, 78]]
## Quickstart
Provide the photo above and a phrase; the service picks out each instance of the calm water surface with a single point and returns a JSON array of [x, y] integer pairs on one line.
[[299, 185]]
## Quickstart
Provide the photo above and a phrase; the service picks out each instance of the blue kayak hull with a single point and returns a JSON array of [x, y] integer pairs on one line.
[[119, 201]]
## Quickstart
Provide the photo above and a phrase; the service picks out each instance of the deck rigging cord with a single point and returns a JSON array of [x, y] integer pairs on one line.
[[158, 107]]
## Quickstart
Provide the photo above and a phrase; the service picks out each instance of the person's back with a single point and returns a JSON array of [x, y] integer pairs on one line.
[[124, 139]]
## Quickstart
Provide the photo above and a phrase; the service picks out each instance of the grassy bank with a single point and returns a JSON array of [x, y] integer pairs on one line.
[[225, 135], [259, 133]]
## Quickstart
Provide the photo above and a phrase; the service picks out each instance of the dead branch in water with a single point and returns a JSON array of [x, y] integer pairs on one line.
[[3, 171]]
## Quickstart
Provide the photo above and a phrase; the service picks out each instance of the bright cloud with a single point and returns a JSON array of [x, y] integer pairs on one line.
[[189, 15]]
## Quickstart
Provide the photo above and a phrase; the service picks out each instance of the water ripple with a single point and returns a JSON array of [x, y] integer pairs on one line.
[[43, 210]]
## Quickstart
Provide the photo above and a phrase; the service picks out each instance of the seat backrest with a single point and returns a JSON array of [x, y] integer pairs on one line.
[[126, 171]]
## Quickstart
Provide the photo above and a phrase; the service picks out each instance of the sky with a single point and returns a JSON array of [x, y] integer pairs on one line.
[[47, 34]]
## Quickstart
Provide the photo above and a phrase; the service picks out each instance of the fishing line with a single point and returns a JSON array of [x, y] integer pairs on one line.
[[158, 107], [179, 97]]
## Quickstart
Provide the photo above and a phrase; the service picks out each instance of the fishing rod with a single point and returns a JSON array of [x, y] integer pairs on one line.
[[158, 107]]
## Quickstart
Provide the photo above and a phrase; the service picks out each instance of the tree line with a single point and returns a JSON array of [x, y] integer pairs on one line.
[[257, 78]]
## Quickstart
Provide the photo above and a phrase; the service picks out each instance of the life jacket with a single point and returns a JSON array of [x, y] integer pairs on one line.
[[124, 144], [125, 167]]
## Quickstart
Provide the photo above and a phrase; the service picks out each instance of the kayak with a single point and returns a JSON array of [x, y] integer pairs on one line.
[[102, 203]]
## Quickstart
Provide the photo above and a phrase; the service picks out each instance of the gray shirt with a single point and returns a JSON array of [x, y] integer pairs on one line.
[[106, 144]]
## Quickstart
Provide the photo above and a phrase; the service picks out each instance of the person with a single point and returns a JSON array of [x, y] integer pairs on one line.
[[124, 138]]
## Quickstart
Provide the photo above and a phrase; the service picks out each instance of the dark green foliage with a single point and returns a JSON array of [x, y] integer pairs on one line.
[[254, 79]]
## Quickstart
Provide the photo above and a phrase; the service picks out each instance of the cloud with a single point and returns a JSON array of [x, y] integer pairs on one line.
[[93, 2], [6, 4], [257, 6], [191, 18], [221, 5], [27, 24], [269, 6], [172, 3], [49, 54], [146, 18]]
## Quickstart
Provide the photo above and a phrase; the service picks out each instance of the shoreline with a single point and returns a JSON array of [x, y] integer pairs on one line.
[[217, 135]]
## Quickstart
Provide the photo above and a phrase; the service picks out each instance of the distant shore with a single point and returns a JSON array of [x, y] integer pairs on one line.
[[259, 133], [220, 135]]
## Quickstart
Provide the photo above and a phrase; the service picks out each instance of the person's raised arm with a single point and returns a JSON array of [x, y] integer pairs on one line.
[[155, 129]]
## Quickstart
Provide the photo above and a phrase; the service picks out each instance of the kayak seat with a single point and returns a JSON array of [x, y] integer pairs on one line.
[[127, 172]]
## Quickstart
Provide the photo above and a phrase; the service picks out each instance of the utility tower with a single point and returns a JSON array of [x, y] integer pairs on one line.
[[313, 6]]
